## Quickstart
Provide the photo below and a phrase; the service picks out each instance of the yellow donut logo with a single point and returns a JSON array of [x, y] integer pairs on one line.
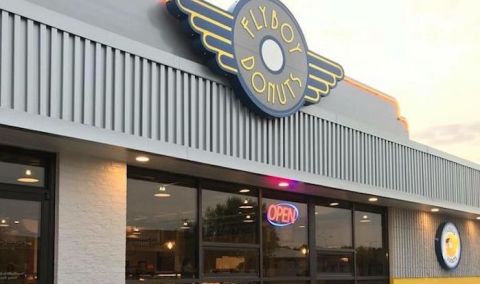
[[448, 246], [452, 244]]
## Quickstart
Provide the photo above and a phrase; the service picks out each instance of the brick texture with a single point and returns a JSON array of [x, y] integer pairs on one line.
[[91, 220]]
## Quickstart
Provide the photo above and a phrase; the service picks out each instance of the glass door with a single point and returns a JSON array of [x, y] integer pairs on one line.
[[27, 217], [19, 241]]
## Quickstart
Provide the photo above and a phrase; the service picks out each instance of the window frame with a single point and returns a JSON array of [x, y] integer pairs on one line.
[[46, 196]]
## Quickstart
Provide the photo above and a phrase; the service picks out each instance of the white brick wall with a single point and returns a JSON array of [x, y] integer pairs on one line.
[[91, 220]]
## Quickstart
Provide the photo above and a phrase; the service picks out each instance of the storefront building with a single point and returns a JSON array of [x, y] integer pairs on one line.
[[134, 152]]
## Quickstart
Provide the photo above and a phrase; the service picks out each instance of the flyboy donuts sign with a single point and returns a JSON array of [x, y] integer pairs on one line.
[[261, 48]]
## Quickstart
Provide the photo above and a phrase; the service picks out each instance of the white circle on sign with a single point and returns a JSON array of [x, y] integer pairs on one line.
[[272, 55], [451, 246]]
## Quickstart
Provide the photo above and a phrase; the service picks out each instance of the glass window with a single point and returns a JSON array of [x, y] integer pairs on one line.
[[161, 230], [28, 175], [335, 282], [231, 261], [330, 263], [229, 217], [371, 255], [19, 240], [285, 238], [333, 227], [231, 282], [287, 282]]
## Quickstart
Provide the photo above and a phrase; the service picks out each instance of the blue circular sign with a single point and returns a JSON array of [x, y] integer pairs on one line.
[[260, 46]]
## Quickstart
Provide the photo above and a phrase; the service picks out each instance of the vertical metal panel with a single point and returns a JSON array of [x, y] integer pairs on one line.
[[109, 95], [163, 102], [44, 70], [19, 57], [170, 105], [228, 124], [177, 116], [129, 123], [208, 104], [88, 79], [98, 86], [48, 72], [118, 91], [214, 121], [155, 101], [32, 71], [6, 60]]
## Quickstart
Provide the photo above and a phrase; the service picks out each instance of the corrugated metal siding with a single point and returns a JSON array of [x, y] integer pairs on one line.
[[48, 72], [412, 245]]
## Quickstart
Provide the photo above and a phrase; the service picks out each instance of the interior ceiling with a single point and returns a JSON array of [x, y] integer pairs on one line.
[[50, 143]]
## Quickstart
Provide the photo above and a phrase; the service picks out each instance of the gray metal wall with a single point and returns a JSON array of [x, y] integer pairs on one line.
[[412, 245], [47, 72]]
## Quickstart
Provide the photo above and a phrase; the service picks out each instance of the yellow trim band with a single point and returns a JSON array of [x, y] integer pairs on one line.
[[459, 280]]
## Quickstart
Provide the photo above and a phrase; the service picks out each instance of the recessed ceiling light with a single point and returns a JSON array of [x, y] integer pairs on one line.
[[16, 222], [478, 218], [28, 178], [245, 190], [283, 184], [373, 199], [435, 210], [142, 159], [365, 217], [333, 204], [3, 223]]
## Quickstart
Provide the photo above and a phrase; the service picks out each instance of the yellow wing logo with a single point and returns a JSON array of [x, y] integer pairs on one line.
[[214, 27], [215, 31], [323, 76]]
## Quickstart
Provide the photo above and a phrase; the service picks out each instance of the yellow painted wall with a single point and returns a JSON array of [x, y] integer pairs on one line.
[[460, 280]]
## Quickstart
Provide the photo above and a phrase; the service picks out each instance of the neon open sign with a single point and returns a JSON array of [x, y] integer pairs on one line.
[[282, 214]]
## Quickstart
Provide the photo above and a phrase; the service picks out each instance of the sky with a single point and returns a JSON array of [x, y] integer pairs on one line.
[[425, 53]]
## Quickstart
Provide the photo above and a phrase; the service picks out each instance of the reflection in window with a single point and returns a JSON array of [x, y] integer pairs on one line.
[[288, 282], [21, 174], [229, 218], [371, 256], [333, 227], [231, 261], [231, 282], [19, 240], [285, 245], [335, 282], [161, 226], [335, 263]]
